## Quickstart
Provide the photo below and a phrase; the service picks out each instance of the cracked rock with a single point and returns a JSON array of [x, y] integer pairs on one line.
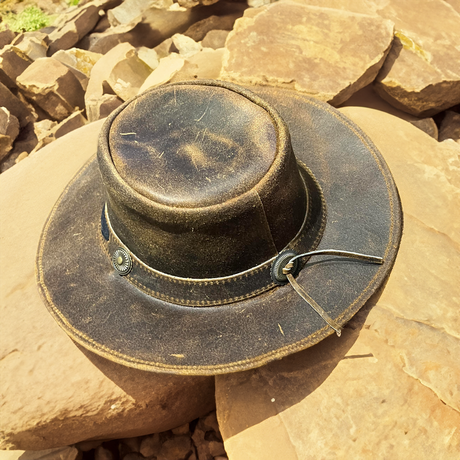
[[90, 397], [336, 52], [422, 72], [390, 383], [53, 87], [13, 62]]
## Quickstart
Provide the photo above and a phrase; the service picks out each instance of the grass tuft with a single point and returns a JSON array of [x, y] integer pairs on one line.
[[30, 19]]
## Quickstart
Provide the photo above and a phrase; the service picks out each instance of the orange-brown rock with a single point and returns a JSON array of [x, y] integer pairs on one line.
[[12, 63], [53, 392], [450, 127], [53, 87], [323, 52], [389, 387], [422, 72]]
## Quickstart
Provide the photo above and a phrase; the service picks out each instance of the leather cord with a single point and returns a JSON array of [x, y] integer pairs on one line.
[[330, 252]]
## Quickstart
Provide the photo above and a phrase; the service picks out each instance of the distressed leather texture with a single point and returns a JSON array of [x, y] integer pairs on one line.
[[112, 316]]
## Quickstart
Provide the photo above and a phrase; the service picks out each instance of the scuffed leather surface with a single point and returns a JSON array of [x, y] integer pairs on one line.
[[107, 314], [259, 214]]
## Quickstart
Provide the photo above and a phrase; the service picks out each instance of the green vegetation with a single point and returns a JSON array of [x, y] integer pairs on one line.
[[73, 2], [30, 19]]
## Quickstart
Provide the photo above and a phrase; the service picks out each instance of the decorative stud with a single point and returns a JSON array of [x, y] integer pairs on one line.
[[122, 261], [280, 262]]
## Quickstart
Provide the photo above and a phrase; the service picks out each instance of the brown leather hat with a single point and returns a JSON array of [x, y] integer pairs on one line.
[[219, 229]]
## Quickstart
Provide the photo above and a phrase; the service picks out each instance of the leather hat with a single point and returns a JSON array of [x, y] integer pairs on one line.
[[218, 229]]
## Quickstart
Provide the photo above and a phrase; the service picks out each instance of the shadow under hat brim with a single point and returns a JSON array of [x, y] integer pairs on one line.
[[104, 312]]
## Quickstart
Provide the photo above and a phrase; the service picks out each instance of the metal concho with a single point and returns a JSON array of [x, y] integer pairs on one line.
[[122, 261]]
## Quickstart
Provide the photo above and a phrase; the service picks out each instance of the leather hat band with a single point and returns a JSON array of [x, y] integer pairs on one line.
[[213, 291]]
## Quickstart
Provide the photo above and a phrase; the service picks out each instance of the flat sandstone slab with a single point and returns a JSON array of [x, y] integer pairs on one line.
[[422, 72], [389, 387], [323, 52], [54, 393]]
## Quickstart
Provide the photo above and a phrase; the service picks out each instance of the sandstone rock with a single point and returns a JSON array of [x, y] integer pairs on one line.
[[389, 386], [120, 71], [61, 453], [103, 42], [21, 157], [104, 106], [326, 53], [150, 445], [12, 63], [183, 429], [130, 10], [33, 44], [165, 48], [53, 87], [185, 45], [128, 75], [80, 62], [6, 37], [15, 106], [455, 4], [215, 39], [178, 448], [193, 3], [101, 453], [48, 131], [199, 30], [367, 97], [154, 26], [207, 438], [353, 6], [422, 72], [24, 143], [450, 127], [204, 65], [165, 71], [89, 397], [80, 23], [149, 56], [9, 130]]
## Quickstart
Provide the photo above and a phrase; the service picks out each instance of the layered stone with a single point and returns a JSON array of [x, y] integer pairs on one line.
[[326, 53]]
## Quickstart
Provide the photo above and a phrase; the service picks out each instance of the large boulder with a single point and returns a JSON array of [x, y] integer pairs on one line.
[[324, 52], [55, 393], [389, 387]]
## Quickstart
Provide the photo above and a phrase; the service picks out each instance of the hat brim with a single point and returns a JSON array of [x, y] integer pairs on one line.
[[105, 313]]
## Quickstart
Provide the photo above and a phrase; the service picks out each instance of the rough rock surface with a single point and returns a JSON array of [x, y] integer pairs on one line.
[[120, 71], [422, 72], [53, 87], [12, 63], [15, 106], [6, 37], [367, 97], [167, 68], [65, 394], [80, 62], [203, 66], [199, 30], [389, 387], [9, 130], [326, 53], [450, 127], [215, 39], [33, 44], [81, 22]]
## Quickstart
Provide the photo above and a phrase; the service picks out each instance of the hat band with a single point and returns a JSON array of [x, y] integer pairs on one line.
[[221, 290]]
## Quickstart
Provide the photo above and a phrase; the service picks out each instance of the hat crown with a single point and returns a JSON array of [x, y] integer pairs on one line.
[[201, 179], [193, 148]]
